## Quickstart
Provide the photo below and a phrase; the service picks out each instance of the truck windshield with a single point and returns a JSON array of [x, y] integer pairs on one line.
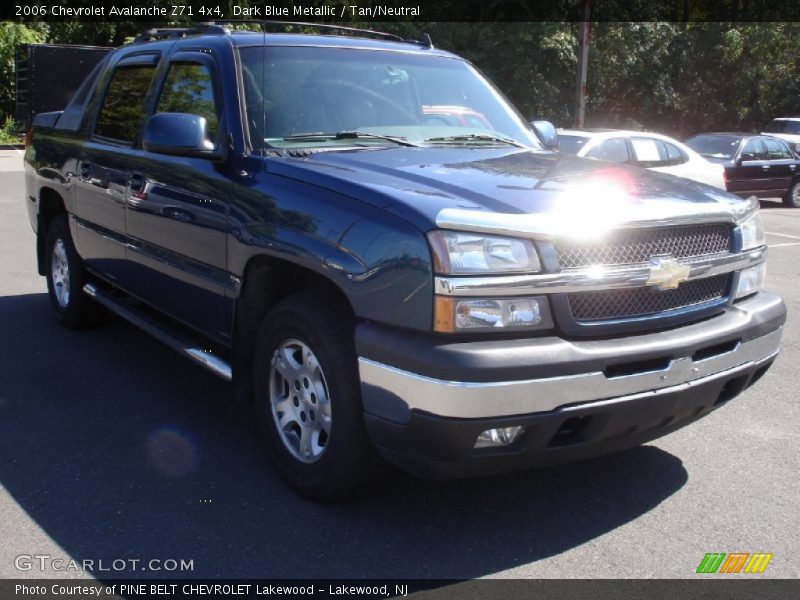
[[301, 96]]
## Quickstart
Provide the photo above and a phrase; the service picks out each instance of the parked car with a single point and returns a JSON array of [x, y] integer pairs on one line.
[[646, 150], [755, 165], [460, 300], [787, 129]]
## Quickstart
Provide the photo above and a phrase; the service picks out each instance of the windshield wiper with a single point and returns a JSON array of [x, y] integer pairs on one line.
[[349, 135], [476, 137]]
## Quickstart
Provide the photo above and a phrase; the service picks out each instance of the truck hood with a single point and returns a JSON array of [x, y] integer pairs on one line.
[[528, 191]]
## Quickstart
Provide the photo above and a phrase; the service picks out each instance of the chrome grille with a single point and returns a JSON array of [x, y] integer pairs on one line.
[[639, 302], [639, 245]]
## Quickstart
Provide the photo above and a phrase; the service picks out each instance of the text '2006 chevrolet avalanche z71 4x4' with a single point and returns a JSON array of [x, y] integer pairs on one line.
[[298, 214]]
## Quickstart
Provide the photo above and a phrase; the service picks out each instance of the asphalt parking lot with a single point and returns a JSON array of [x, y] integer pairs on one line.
[[112, 447]]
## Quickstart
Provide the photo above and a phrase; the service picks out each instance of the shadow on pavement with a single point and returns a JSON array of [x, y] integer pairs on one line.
[[118, 448]]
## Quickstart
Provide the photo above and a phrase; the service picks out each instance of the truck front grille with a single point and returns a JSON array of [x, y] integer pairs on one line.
[[641, 302], [633, 246]]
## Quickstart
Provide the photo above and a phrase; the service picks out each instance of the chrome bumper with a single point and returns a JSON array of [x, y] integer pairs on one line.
[[466, 400], [591, 279]]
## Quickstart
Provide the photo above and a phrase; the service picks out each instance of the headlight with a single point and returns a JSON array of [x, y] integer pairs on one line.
[[452, 315], [752, 231], [750, 280], [460, 253]]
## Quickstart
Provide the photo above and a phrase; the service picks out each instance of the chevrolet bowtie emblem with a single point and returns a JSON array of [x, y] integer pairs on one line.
[[666, 273]]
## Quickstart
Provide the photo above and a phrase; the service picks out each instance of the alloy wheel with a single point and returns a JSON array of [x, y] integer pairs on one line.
[[299, 401]]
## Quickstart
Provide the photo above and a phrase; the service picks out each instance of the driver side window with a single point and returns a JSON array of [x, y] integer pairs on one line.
[[189, 88], [753, 150]]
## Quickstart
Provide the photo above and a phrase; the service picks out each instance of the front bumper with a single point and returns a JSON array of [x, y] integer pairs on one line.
[[426, 401]]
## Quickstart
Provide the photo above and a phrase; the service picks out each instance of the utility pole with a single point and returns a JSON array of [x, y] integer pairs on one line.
[[583, 60]]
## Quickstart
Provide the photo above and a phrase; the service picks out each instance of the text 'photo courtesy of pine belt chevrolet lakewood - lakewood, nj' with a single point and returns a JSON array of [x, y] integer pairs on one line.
[[384, 270]]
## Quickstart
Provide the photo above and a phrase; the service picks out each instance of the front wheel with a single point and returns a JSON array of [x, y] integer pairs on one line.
[[792, 197], [308, 400], [66, 277]]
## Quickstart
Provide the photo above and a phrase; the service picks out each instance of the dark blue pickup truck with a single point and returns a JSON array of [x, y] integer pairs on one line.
[[386, 259]]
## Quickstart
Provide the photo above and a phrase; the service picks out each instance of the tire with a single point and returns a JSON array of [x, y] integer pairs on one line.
[[792, 197], [309, 407], [66, 277]]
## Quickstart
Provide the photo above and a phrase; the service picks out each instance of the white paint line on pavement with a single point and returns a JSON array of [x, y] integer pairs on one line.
[[783, 245], [786, 235]]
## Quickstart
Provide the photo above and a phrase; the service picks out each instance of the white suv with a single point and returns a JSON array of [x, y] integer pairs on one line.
[[786, 128]]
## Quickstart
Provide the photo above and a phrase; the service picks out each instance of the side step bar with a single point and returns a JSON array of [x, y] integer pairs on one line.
[[204, 358]]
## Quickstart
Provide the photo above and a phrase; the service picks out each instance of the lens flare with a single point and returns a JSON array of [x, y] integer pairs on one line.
[[171, 453]]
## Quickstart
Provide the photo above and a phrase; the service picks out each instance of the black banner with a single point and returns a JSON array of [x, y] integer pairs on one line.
[[166, 11], [494, 589]]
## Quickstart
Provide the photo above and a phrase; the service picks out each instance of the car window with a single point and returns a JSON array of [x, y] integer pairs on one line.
[[189, 88], [572, 144], [777, 150], [753, 150], [714, 146], [613, 150], [648, 152], [675, 155], [781, 126], [121, 113]]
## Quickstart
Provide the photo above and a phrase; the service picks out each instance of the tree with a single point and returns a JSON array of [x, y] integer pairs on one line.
[[12, 35]]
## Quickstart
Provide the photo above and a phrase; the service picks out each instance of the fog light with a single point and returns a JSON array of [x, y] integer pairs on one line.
[[501, 436], [751, 280]]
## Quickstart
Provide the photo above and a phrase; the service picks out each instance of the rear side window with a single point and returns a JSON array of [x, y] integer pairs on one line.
[[648, 152], [189, 88], [777, 150], [121, 113], [753, 150], [613, 150], [674, 155]]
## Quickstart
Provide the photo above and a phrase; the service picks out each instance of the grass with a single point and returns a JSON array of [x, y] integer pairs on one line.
[[8, 133]]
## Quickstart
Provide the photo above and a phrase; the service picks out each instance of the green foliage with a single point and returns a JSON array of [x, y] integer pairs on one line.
[[12, 35], [8, 134], [675, 77]]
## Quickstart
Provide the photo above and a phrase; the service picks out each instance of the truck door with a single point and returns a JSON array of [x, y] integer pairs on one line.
[[177, 207], [782, 165], [102, 170], [750, 173]]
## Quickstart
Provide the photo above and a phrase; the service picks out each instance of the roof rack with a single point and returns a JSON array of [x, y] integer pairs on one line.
[[219, 28], [426, 41], [152, 35]]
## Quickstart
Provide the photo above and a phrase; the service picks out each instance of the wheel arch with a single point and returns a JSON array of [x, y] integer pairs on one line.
[[266, 281]]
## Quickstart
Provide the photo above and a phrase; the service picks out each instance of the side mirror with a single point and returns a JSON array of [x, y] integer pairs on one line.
[[738, 161], [547, 133], [178, 134]]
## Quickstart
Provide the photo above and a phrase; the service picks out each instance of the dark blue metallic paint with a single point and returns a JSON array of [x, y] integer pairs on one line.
[[180, 232]]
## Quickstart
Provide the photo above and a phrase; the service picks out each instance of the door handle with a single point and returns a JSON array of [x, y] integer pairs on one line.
[[86, 170], [136, 182], [765, 167]]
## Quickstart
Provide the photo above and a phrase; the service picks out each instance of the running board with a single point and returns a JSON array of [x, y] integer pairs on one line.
[[204, 358]]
